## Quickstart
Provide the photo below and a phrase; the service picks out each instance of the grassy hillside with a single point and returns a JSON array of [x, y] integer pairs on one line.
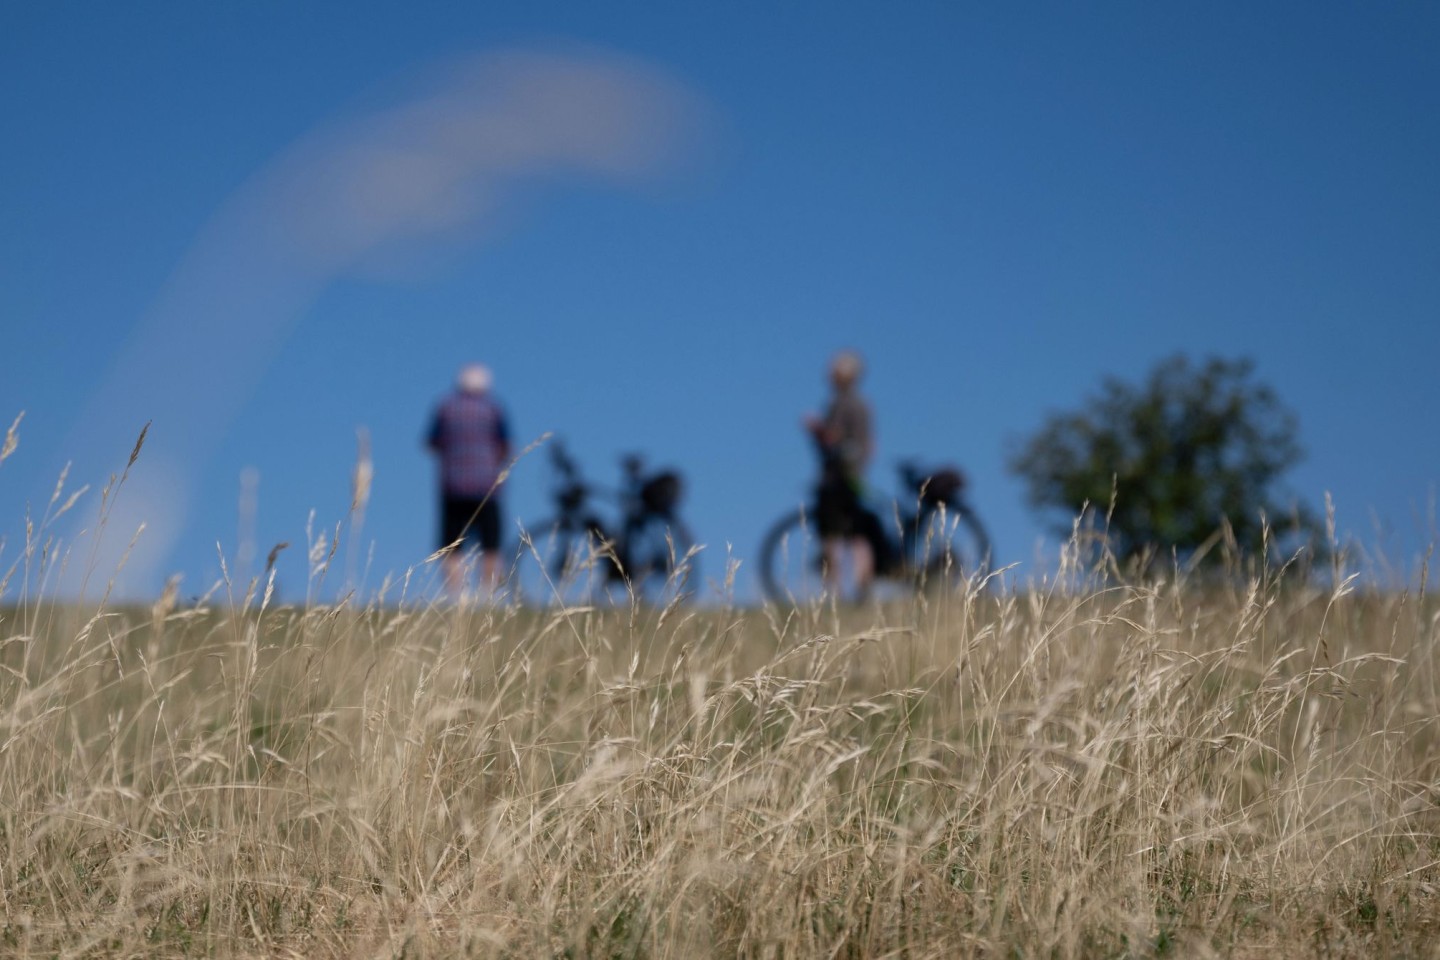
[[1131, 770]]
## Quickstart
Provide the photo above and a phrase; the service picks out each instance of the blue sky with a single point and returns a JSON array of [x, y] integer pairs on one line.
[[997, 204]]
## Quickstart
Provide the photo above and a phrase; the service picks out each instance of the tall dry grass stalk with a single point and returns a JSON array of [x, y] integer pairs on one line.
[[1104, 770]]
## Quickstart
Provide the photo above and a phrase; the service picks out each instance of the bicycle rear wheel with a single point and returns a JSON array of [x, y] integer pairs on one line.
[[948, 547]]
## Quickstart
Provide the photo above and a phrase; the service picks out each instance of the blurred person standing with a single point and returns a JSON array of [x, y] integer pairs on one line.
[[470, 436], [846, 440]]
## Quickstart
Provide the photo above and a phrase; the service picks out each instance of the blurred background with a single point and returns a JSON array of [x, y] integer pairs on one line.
[[263, 226]]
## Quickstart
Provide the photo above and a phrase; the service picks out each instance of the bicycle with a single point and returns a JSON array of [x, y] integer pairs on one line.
[[651, 553], [938, 543]]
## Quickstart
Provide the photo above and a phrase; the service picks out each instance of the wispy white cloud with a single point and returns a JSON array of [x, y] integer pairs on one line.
[[449, 156], [433, 166]]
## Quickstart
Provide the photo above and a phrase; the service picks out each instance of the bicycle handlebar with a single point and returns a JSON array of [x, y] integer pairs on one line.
[[564, 463], [909, 470]]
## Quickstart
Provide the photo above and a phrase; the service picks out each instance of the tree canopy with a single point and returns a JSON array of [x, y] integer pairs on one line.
[[1173, 459]]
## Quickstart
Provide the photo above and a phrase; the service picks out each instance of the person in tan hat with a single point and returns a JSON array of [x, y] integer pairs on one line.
[[846, 440]]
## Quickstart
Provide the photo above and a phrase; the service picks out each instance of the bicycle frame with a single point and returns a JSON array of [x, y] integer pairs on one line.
[[938, 538], [574, 517], [897, 537]]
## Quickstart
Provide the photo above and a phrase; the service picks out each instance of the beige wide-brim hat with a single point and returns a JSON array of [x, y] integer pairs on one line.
[[846, 367]]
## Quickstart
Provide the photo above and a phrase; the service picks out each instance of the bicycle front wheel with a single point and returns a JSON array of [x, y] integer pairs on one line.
[[792, 560], [560, 561]]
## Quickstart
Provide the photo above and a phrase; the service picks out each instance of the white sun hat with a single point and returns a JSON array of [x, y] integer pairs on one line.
[[474, 378]]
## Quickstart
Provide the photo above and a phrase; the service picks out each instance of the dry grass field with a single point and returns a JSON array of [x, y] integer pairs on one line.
[[1102, 770]]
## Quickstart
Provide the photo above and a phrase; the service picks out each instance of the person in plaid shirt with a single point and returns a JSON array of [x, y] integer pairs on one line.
[[470, 437]]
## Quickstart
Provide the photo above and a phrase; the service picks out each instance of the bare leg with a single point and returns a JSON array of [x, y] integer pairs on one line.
[[490, 571], [454, 573], [864, 559], [834, 548]]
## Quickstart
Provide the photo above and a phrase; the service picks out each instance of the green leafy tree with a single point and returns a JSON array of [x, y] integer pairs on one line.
[[1172, 460]]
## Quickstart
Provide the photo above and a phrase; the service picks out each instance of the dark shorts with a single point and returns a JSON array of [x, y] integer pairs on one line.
[[838, 510], [473, 518]]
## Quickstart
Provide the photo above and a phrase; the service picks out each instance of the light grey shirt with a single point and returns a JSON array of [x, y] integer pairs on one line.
[[847, 428]]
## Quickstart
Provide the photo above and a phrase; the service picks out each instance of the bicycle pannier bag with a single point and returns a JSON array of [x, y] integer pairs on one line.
[[661, 493]]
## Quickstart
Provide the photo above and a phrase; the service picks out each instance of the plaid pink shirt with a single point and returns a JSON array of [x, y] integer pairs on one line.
[[469, 433]]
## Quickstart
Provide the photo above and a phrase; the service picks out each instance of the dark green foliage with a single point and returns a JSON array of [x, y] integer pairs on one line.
[[1172, 460]]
